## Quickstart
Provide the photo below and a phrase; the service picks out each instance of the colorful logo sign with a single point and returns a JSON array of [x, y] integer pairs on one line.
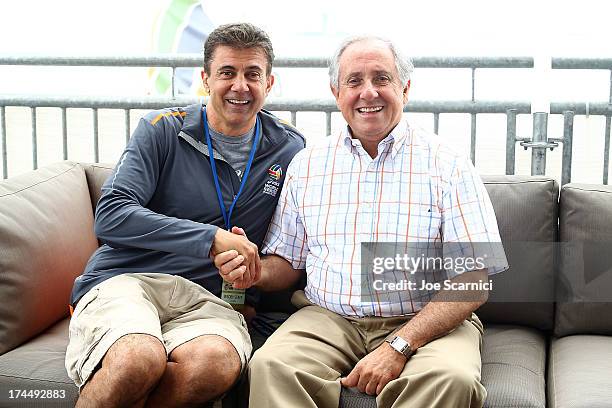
[[275, 172]]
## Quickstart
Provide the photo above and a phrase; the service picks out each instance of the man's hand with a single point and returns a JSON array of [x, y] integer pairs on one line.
[[232, 270], [374, 371], [236, 258]]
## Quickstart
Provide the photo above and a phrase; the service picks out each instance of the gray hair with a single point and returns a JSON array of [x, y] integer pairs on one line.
[[404, 65], [239, 36]]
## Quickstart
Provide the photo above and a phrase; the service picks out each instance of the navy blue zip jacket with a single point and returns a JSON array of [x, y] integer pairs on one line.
[[159, 212]]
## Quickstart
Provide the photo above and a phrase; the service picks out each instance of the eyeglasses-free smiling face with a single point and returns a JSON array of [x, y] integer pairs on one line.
[[370, 94], [238, 85]]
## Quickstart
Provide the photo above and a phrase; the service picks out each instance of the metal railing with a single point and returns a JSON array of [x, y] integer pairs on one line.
[[569, 109], [175, 61], [539, 142]]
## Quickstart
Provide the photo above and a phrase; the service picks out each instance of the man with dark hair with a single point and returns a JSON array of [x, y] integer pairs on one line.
[[379, 180], [152, 322]]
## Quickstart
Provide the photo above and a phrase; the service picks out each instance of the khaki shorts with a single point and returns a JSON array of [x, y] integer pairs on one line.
[[171, 308]]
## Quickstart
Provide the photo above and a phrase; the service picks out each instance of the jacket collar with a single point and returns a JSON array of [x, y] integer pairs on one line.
[[192, 124], [272, 131]]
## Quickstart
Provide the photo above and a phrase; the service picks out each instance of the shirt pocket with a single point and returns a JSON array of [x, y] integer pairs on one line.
[[427, 224]]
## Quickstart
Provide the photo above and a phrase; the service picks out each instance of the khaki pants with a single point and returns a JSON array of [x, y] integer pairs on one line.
[[301, 363], [167, 307]]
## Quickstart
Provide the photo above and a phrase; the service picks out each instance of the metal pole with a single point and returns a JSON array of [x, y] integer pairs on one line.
[[173, 82], [538, 154], [126, 116], [328, 123], [34, 140], [195, 60], [510, 140], [610, 97], [607, 139], [272, 104], [473, 130], [293, 118], [65, 134], [4, 152], [568, 136], [436, 122], [606, 151], [96, 136], [473, 84], [473, 140]]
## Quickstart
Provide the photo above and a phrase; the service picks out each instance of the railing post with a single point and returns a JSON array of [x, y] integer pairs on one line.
[[436, 118], [4, 152], [473, 139], [568, 135], [174, 82], [606, 167], [64, 133], [540, 135], [510, 140], [34, 139], [96, 136], [126, 121]]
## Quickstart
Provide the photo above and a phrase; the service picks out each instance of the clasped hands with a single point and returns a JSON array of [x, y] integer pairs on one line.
[[236, 257]]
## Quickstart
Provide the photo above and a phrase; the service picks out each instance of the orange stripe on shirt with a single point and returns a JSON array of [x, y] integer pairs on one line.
[[331, 187], [356, 234], [161, 115]]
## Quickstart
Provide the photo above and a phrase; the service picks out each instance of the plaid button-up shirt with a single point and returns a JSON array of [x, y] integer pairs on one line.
[[336, 197]]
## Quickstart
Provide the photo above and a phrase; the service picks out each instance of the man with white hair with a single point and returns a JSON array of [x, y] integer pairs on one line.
[[379, 180]]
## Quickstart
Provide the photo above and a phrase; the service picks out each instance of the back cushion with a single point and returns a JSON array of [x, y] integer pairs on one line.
[[526, 210], [585, 268], [46, 237], [96, 176]]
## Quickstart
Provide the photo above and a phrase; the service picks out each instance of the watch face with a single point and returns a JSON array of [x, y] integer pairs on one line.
[[400, 345], [399, 342]]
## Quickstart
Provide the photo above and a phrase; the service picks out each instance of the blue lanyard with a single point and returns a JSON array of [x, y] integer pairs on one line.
[[228, 216]]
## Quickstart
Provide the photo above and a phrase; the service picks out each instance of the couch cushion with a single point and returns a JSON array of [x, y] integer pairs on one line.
[[96, 176], [38, 365], [353, 398], [513, 362], [585, 272], [46, 237], [579, 372], [526, 210]]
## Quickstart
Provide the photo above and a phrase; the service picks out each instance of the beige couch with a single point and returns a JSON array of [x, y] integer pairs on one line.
[[548, 323]]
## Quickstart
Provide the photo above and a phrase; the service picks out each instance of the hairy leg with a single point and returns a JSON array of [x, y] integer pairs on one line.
[[198, 371], [131, 368]]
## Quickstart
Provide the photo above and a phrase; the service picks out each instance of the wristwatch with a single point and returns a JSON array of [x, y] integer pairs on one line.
[[401, 346]]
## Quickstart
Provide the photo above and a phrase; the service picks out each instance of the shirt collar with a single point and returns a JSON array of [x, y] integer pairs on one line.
[[397, 138]]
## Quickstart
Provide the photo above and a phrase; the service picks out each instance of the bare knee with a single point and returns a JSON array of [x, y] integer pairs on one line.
[[131, 368], [210, 366], [139, 356]]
